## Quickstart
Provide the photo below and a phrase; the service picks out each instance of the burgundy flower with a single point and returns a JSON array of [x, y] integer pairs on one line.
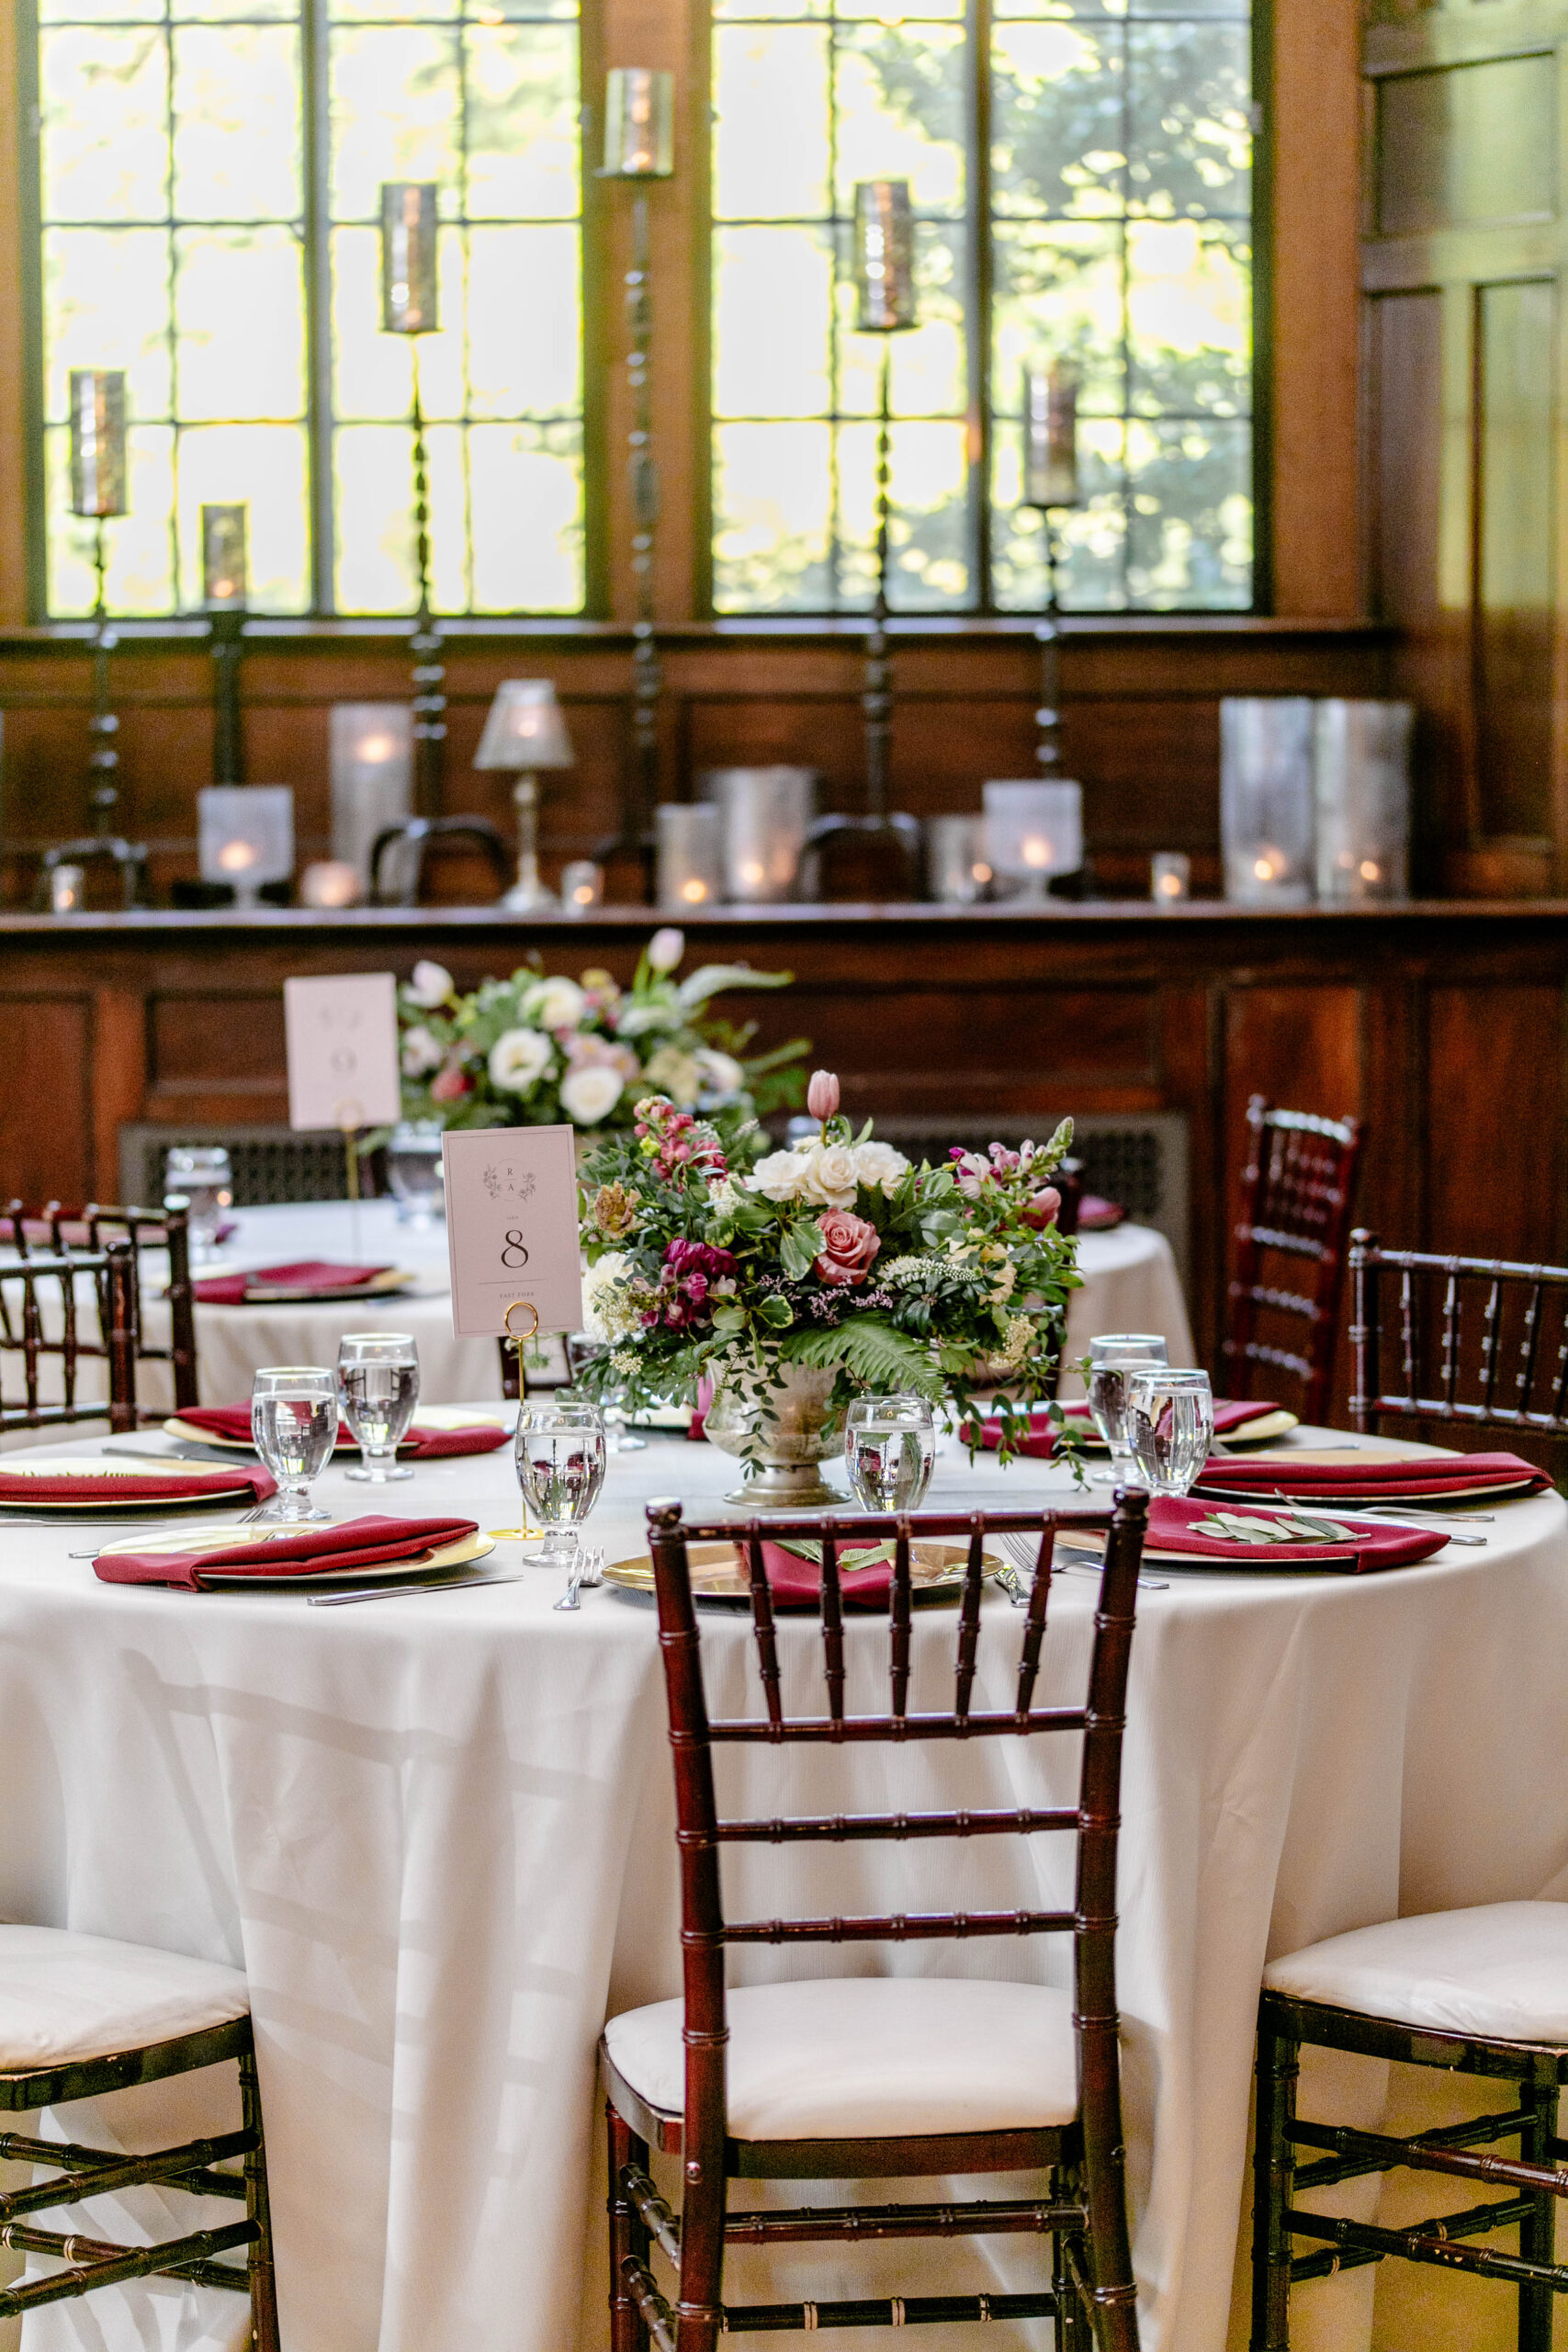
[[849, 1245], [697, 1257], [450, 1084], [1043, 1208]]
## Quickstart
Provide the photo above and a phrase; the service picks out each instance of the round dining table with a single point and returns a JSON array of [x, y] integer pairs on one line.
[[437, 1831], [1130, 1284]]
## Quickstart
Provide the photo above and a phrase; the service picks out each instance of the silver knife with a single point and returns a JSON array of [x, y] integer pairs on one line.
[[403, 1591], [184, 1450]]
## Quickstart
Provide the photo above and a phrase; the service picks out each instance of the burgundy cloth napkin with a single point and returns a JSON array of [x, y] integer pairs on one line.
[[1098, 1216], [310, 1277], [1041, 1441], [423, 1444], [1171, 1525], [1393, 1474], [168, 1486], [356, 1543], [795, 1583]]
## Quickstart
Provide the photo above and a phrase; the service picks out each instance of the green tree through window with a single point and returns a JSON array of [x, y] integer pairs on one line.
[[208, 187], [1105, 217]]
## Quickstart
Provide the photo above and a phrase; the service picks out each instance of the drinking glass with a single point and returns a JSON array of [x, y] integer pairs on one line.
[[560, 1468], [1171, 1428], [294, 1427], [201, 1174], [414, 1172], [619, 1437], [889, 1451], [377, 1377], [1111, 1359]]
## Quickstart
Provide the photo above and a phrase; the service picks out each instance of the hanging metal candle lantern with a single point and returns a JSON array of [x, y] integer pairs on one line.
[[410, 300], [639, 123], [884, 257], [1051, 437], [98, 442]]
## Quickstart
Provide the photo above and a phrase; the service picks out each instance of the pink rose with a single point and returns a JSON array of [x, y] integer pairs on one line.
[[1043, 1208], [449, 1085], [822, 1094], [849, 1245]]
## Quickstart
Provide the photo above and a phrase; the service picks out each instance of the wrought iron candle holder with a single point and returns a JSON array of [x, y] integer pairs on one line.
[[639, 146], [223, 591], [884, 288], [1050, 485], [98, 494]]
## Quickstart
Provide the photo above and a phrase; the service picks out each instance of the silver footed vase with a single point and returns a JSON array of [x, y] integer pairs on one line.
[[781, 1433]]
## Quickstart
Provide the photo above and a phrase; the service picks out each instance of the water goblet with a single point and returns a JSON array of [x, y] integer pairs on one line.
[[1111, 1357], [415, 1174], [1171, 1428], [200, 1174], [377, 1378], [560, 1468], [889, 1451], [294, 1429]]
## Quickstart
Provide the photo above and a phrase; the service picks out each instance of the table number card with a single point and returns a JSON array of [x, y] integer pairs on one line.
[[343, 1051], [511, 1228]]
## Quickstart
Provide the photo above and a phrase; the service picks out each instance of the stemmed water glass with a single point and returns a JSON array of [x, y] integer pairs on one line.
[[560, 1468], [200, 1174], [1112, 1357], [377, 1377], [294, 1427], [415, 1174], [889, 1451], [1171, 1428]]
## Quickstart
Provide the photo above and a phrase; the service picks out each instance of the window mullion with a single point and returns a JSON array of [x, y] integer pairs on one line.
[[316, 231]]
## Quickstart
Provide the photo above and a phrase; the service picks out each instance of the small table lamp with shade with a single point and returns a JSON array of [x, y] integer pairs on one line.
[[524, 733]]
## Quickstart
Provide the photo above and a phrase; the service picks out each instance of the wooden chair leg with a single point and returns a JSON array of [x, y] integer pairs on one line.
[[629, 2235], [1070, 2263], [1279, 2067], [702, 2266], [264, 2284], [1537, 2230]]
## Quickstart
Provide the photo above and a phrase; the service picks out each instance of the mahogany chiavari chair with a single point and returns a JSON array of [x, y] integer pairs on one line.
[[85, 2018], [1297, 1194], [946, 2076], [42, 1325], [1482, 1341], [61, 1230]]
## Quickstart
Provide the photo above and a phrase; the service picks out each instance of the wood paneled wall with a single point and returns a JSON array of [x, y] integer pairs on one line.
[[1434, 1024], [1142, 725]]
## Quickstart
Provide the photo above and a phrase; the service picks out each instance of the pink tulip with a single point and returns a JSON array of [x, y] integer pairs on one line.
[[822, 1094], [1043, 1208]]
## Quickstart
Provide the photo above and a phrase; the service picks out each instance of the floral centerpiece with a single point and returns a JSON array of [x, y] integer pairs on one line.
[[793, 1281], [538, 1050]]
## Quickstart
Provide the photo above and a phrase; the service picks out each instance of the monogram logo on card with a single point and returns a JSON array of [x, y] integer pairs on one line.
[[503, 1182]]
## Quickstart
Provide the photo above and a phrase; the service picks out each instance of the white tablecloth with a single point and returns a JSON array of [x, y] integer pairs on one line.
[[1130, 1284], [437, 1834]]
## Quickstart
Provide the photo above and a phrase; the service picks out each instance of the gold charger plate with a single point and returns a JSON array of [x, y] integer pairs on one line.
[[936, 1573], [456, 1554], [433, 1417], [94, 1467]]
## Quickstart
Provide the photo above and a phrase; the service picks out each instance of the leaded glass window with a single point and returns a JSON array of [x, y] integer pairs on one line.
[[1104, 215], [209, 176]]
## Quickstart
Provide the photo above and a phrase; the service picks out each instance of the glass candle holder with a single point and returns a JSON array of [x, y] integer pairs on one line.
[[1051, 436], [884, 258], [1361, 779], [639, 123], [1266, 800], [1170, 877], [958, 870], [246, 836], [764, 816], [409, 303], [1033, 830], [581, 886], [372, 777], [330, 882], [689, 854], [223, 579], [67, 890], [98, 441]]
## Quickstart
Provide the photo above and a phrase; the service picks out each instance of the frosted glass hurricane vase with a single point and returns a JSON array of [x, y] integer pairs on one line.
[[1267, 799], [1362, 768]]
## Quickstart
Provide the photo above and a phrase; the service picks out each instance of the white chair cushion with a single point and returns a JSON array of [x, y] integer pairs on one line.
[[64, 1997], [1500, 1971], [870, 2057]]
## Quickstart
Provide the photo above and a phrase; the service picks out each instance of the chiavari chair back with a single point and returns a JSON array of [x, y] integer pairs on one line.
[[60, 1230], [1482, 1342], [43, 1345], [1297, 1195], [703, 2078]]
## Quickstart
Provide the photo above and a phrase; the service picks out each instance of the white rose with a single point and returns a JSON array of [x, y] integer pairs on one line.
[[591, 1093], [722, 1074], [555, 1004], [830, 1177], [598, 1287], [878, 1163], [431, 985], [778, 1177], [421, 1052], [665, 949], [518, 1059]]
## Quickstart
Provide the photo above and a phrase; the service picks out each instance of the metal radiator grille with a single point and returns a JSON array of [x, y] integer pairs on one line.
[[269, 1163]]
